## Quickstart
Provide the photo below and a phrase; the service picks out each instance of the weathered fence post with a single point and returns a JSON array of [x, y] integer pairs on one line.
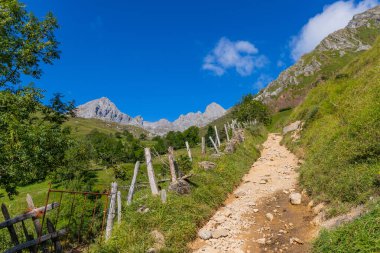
[[118, 207], [11, 228], [132, 187], [213, 143], [188, 151], [203, 146], [172, 164], [217, 136], [36, 222], [227, 135], [111, 211], [163, 196], [55, 240], [149, 167]]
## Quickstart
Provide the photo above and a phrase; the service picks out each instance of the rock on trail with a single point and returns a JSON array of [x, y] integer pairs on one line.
[[246, 217]]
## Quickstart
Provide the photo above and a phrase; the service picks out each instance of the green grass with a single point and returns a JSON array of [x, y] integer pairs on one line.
[[81, 127], [340, 143], [181, 216], [361, 235], [279, 121]]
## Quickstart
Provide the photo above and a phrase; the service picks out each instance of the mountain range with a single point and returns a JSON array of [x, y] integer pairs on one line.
[[104, 109]]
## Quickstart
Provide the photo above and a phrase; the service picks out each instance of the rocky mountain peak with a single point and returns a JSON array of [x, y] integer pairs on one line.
[[338, 48], [104, 109]]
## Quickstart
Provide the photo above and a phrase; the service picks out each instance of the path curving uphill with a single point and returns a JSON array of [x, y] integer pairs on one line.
[[258, 216]]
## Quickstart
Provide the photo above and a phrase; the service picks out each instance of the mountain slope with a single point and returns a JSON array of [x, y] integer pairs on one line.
[[105, 110], [333, 53]]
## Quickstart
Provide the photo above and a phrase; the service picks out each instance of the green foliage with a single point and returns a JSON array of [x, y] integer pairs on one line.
[[25, 42], [160, 146], [31, 144], [192, 136], [210, 133], [175, 139], [361, 235], [249, 110], [184, 164], [341, 134]]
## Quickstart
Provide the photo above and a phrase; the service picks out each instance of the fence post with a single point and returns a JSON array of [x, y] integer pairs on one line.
[[227, 135], [111, 211], [213, 143], [188, 151], [149, 167], [55, 240], [217, 136], [163, 196], [203, 146], [11, 228], [132, 187], [118, 207], [36, 222], [171, 164]]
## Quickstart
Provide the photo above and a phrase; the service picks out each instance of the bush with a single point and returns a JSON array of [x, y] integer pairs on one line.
[[249, 110]]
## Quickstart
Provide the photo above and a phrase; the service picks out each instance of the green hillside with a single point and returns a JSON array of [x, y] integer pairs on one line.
[[81, 127], [340, 143]]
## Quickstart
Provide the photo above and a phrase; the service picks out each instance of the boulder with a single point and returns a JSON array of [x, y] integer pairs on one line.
[[295, 198], [181, 187], [159, 240], [292, 127]]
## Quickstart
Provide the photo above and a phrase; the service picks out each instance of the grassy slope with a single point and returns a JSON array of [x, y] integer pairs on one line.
[[81, 127], [341, 146], [179, 219]]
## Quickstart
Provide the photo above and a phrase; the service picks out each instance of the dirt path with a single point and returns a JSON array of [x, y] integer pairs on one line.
[[258, 217]]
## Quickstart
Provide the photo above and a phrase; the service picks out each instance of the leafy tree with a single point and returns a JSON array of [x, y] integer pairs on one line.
[[175, 139], [108, 149], [25, 42], [31, 144], [210, 133], [192, 135], [160, 145], [58, 110], [249, 109], [184, 164]]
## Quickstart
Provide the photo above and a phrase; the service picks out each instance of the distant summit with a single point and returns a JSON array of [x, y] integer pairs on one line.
[[105, 109]]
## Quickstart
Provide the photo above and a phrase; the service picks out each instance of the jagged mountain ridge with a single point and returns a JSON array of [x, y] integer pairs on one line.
[[105, 109], [333, 52]]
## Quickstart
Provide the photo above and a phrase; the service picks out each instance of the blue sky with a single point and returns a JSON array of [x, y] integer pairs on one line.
[[160, 59]]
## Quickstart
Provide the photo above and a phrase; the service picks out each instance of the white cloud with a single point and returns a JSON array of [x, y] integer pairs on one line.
[[333, 17], [262, 81], [241, 55]]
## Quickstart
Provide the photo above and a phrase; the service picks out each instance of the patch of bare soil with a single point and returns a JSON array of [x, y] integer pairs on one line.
[[258, 216]]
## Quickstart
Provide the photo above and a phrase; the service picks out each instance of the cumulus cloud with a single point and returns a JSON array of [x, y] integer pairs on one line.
[[240, 55], [332, 18]]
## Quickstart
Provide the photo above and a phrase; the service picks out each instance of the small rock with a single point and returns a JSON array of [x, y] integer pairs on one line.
[[269, 216], [152, 250], [143, 209], [207, 165], [220, 233], [295, 198], [159, 239], [295, 240], [310, 204], [239, 194], [204, 234], [255, 210], [263, 181], [318, 208], [261, 241]]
